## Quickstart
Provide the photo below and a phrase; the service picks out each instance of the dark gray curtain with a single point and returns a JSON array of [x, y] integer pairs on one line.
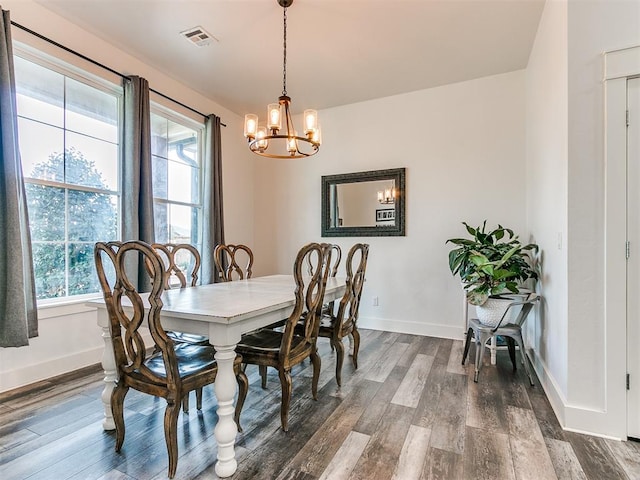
[[18, 309], [137, 191], [213, 217]]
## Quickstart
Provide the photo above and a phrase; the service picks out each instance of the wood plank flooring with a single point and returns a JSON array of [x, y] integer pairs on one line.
[[411, 411]]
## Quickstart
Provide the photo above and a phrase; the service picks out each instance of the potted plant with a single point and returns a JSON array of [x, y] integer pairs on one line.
[[490, 265]]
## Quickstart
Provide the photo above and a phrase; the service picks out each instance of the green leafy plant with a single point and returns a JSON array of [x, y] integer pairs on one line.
[[490, 263]]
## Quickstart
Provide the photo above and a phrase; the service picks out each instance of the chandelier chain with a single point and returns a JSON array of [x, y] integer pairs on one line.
[[284, 56]]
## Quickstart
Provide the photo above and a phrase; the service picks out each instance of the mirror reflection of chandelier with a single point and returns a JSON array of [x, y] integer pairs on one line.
[[387, 197], [279, 139]]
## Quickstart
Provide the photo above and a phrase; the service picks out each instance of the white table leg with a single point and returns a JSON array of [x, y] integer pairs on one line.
[[109, 367], [226, 429], [350, 344]]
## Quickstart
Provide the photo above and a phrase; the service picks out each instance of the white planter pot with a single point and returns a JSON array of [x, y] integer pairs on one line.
[[491, 311]]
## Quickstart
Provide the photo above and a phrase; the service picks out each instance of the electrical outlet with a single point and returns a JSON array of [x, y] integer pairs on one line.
[[375, 301]]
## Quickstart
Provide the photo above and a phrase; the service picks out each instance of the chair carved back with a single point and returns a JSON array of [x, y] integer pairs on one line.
[[350, 303], [181, 261], [227, 258], [309, 293], [336, 257], [334, 263], [128, 345]]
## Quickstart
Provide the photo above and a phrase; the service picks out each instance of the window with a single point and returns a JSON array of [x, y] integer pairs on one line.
[[69, 143], [176, 146]]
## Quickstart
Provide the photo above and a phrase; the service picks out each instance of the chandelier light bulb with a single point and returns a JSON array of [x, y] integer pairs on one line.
[[273, 117], [310, 121], [292, 144], [250, 125], [317, 136], [262, 142]]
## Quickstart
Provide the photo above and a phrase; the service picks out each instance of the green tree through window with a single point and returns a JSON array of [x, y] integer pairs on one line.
[[66, 222]]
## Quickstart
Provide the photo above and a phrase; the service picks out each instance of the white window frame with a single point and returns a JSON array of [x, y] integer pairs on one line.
[[78, 74], [199, 127]]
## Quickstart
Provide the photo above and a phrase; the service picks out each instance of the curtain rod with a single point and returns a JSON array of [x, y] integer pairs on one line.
[[103, 66]]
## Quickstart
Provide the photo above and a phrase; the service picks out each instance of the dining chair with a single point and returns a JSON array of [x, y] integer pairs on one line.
[[510, 330], [336, 257], [181, 264], [286, 348], [336, 326], [227, 260], [172, 369]]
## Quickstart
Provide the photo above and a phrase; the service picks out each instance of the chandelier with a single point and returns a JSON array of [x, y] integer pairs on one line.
[[279, 139], [387, 197]]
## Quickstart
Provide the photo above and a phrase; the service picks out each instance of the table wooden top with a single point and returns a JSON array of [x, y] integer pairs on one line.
[[229, 302]]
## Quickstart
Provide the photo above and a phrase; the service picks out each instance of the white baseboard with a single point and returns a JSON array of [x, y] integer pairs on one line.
[[550, 387], [592, 422], [413, 328], [579, 419], [19, 377], [22, 376]]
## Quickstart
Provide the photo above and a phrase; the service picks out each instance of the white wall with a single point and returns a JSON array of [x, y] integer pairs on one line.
[[463, 146], [69, 337], [581, 367], [593, 27], [547, 212]]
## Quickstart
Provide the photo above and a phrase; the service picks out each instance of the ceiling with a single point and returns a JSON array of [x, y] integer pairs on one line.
[[338, 51]]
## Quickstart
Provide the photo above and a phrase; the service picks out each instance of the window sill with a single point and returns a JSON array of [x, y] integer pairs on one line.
[[66, 307]]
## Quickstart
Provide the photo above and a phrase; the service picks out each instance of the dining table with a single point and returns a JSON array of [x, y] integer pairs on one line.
[[222, 312]]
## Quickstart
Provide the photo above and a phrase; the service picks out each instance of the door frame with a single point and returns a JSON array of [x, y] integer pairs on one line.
[[633, 262], [619, 66]]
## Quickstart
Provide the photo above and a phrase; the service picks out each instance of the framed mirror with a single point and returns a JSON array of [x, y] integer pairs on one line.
[[364, 204]]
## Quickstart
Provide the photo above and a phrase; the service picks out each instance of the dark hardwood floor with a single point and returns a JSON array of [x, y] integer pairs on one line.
[[411, 411]]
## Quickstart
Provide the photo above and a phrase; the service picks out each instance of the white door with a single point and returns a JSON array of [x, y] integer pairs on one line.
[[633, 262]]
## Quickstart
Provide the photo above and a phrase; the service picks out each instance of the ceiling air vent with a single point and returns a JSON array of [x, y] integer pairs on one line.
[[198, 36]]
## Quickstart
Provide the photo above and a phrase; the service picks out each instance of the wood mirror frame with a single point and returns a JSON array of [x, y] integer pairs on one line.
[[395, 229]]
